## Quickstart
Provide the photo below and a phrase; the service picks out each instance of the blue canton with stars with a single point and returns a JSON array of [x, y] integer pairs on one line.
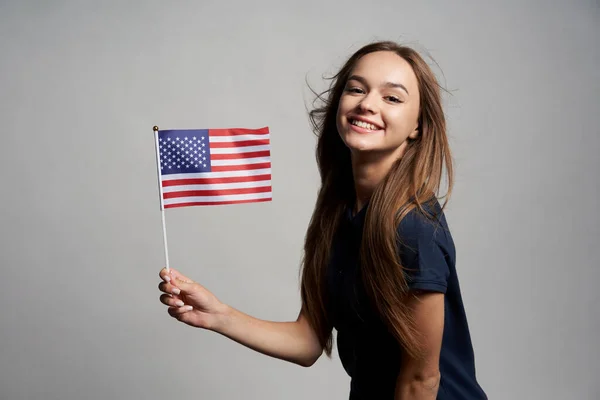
[[184, 151]]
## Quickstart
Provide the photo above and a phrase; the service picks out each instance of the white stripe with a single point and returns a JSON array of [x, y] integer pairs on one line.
[[237, 150], [216, 186], [224, 174], [238, 138], [240, 161], [231, 197]]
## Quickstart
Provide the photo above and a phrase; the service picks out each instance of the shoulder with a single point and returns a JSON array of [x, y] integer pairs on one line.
[[425, 225], [425, 248]]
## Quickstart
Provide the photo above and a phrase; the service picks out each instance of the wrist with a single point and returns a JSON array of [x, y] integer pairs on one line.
[[222, 316]]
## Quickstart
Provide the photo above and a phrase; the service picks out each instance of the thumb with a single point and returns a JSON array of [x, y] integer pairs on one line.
[[184, 286], [173, 273]]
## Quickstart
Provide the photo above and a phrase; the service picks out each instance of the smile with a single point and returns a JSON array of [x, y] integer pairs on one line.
[[364, 125]]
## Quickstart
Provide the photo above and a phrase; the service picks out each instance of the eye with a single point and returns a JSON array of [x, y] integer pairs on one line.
[[354, 90], [394, 99]]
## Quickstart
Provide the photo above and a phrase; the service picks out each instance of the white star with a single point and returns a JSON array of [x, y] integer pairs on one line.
[[205, 165], [178, 166], [203, 151]]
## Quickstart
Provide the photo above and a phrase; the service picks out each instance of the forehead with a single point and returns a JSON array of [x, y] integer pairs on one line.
[[381, 67]]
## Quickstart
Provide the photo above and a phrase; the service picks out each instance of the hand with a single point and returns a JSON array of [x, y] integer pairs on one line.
[[188, 301]]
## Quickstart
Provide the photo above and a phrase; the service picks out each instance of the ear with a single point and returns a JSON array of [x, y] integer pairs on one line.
[[416, 133]]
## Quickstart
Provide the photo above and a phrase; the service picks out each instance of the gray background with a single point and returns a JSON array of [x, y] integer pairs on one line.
[[82, 84]]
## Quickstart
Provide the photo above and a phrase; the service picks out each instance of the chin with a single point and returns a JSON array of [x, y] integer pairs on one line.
[[360, 143], [361, 147]]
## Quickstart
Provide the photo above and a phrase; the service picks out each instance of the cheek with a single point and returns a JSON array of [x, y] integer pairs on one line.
[[338, 119], [342, 110], [399, 120], [346, 104]]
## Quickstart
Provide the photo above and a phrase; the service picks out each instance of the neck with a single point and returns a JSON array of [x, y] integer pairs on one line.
[[369, 170]]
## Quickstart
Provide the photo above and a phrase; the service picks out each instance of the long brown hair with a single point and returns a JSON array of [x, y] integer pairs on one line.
[[413, 180]]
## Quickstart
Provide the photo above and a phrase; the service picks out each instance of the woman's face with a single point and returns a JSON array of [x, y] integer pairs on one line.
[[379, 107]]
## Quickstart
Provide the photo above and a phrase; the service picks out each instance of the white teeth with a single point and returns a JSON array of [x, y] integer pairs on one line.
[[365, 125]]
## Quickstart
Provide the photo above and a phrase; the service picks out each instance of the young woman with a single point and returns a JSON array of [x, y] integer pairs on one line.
[[379, 260]]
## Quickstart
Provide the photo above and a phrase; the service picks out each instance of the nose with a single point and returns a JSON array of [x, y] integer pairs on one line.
[[367, 105]]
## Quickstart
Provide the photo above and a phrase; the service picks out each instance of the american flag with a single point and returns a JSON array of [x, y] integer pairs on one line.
[[200, 167]]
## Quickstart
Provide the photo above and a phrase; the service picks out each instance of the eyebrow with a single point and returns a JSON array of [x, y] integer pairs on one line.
[[387, 84]]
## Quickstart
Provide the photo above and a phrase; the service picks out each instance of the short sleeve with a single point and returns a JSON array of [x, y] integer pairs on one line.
[[426, 252]]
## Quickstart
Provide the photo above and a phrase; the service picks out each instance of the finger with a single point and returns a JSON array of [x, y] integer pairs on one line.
[[178, 275], [165, 275], [178, 312], [168, 288], [184, 287], [165, 287], [169, 300]]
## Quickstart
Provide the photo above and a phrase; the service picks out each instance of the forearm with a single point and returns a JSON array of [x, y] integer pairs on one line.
[[290, 341], [417, 388]]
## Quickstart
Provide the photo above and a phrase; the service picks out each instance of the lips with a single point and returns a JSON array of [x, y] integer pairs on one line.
[[364, 124]]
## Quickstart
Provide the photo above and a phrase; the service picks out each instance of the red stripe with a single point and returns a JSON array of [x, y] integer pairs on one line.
[[238, 131], [215, 203], [244, 167], [222, 192], [208, 181], [237, 156], [241, 143]]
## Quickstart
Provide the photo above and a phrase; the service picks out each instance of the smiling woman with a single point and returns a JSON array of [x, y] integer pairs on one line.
[[376, 101], [379, 259]]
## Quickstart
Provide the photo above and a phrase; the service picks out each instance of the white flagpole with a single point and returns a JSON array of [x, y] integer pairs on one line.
[[162, 205]]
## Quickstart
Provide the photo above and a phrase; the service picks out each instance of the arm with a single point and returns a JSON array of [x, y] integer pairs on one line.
[[295, 342], [419, 379], [192, 304]]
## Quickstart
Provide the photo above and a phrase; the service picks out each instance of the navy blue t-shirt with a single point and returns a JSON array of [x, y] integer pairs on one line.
[[369, 353]]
